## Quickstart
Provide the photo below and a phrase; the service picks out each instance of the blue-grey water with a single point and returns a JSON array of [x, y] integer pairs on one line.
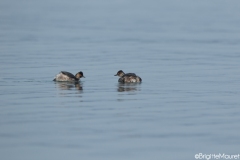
[[186, 52]]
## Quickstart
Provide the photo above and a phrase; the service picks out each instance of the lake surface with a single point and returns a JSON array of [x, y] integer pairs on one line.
[[186, 52]]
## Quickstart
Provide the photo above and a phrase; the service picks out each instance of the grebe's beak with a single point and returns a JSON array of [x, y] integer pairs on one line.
[[115, 75]]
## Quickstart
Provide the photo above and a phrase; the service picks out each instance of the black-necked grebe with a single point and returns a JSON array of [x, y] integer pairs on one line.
[[64, 76], [128, 77]]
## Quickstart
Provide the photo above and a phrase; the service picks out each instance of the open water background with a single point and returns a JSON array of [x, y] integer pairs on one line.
[[186, 52]]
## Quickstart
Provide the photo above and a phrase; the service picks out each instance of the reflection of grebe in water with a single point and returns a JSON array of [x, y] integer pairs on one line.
[[69, 85], [130, 87]]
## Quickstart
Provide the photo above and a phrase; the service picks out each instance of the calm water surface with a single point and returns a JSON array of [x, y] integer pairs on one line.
[[187, 54]]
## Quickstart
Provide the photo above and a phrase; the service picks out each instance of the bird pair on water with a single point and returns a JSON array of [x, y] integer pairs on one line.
[[124, 78]]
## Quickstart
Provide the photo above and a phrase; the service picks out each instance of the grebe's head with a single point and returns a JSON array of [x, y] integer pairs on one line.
[[79, 75], [120, 73]]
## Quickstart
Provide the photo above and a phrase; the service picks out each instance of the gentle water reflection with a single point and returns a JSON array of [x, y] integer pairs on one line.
[[131, 87], [69, 85]]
